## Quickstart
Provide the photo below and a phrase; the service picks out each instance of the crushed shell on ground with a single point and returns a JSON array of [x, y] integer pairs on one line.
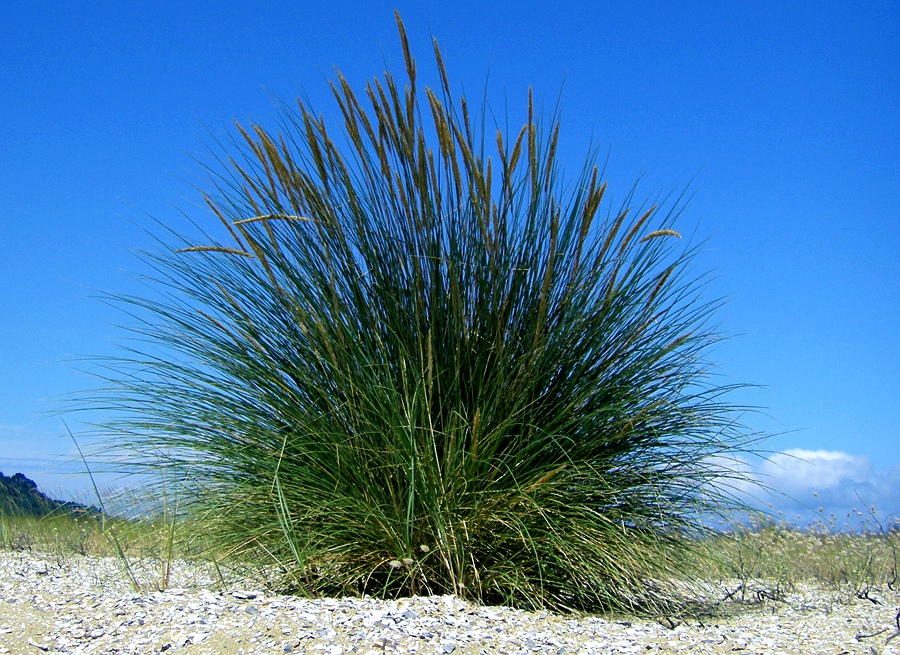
[[70, 604]]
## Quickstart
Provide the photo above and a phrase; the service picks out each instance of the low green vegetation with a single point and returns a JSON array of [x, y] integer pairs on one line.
[[763, 558], [60, 533], [759, 561], [144, 538]]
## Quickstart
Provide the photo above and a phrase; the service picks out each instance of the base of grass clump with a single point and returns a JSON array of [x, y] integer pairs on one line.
[[581, 573], [412, 366]]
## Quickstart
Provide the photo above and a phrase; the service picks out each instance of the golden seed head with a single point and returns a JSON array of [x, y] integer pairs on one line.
[[661, 233]]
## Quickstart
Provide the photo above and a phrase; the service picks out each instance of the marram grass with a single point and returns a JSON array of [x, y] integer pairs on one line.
[[418, 363]]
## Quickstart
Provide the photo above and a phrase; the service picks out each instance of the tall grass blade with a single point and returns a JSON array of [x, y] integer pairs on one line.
[[108, 533]]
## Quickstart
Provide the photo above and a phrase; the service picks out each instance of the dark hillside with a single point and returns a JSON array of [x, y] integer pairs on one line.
[[20, 496]]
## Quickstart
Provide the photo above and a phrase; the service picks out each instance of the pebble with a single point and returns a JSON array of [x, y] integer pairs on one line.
[[84, 606]]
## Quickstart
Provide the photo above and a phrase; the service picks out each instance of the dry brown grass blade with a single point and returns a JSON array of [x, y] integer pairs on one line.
[[215, 210], [635, 229], [532, 144], [551, 157], [408, 59], [222, 249], [272, 217], [594, 196], [548, 276], [613, 230]]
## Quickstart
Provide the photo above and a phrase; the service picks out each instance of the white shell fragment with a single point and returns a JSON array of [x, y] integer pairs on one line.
[[82, 605]]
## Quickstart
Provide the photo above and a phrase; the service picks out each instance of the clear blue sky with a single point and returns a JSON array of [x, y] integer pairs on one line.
[[781, 118]]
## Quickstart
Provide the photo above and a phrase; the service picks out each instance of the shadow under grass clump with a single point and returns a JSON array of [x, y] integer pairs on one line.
[[415, 362]]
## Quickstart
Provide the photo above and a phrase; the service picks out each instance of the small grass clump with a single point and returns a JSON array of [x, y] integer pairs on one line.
[[62, 533], [147, 539], [411, 366], [762, 556]]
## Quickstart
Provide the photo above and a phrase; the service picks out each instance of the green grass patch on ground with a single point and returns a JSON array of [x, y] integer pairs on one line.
[[760, 560]]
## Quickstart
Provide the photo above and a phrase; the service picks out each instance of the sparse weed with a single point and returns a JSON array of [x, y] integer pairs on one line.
[[761, 557], [69, 533]]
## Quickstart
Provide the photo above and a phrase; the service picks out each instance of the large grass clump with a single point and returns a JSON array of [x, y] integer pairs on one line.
[[417, 362]]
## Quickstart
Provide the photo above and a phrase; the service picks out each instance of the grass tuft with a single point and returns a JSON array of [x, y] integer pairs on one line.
[[413, 366]]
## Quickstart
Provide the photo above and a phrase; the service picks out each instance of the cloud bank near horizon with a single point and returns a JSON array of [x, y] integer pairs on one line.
[[841, 489]]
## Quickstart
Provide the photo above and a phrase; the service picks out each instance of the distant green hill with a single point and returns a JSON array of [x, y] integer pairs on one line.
[[20, 496]]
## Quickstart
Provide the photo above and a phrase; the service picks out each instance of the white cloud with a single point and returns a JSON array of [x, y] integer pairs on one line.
[[814, 470], [808, 485]]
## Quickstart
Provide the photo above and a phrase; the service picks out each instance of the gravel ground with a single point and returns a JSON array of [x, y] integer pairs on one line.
[[86, 605]]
